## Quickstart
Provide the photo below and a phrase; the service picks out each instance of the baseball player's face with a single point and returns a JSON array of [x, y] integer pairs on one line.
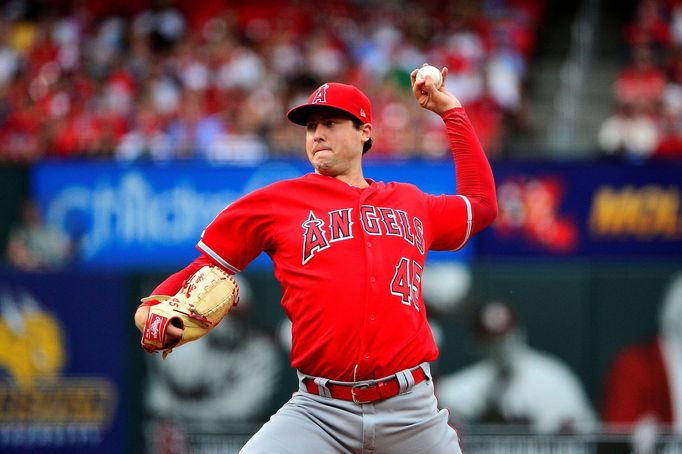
[[334, 144]]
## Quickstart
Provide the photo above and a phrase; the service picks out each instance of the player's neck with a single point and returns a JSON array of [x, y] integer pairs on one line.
[[355, 180]]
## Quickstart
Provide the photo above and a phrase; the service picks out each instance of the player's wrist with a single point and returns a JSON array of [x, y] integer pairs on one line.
[[451, 111]]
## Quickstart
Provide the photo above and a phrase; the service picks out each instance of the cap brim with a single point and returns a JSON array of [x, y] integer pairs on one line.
[[300, 114]]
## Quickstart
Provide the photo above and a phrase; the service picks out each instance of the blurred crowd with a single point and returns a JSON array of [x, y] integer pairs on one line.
[[164, 79], [647, 121]]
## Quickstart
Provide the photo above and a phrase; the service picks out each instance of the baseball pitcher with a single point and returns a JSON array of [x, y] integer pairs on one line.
[[349, 253]]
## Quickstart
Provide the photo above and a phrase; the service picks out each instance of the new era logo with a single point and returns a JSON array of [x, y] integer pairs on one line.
[[362, 113]]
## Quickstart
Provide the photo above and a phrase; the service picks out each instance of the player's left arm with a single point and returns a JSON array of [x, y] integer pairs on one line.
[[170, 286], [245, 222], [475, 182]]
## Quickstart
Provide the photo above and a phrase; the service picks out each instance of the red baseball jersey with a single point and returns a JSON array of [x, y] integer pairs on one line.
[[350, 261]]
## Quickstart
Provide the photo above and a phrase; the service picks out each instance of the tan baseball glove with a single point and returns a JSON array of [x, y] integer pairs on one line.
[[202, 302]]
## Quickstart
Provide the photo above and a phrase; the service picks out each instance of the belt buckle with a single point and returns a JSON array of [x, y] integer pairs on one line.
[[360, 386]]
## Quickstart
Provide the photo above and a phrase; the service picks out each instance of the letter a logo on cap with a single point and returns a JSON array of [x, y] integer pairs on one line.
[[320, 95]]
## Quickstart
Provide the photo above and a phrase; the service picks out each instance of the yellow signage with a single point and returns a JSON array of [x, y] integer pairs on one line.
[[39, 405], [643, 213]]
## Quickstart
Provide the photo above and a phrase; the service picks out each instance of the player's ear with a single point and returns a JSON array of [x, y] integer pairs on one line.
[[366, 130], [366, 137]]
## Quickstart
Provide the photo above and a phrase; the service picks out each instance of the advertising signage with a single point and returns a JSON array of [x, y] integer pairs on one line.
[[62, 370], [580, 210], [152, 216]]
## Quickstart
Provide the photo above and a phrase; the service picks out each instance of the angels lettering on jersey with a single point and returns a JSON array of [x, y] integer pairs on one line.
[[321, 231]]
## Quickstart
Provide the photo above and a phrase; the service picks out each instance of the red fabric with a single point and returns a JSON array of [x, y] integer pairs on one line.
[[637, 385], [634, 85], [648, 28], [172, 284], [669, 147], [350, 260], [474, 176], [198, 13], [66, 139], [24, 120]]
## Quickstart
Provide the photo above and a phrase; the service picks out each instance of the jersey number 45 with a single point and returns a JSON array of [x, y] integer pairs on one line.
[[407, 282]]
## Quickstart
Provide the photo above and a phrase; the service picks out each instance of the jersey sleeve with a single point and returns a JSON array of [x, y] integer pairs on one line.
[[451, 221], [240, 232], [172, 284], [475, 182], [454, 218]]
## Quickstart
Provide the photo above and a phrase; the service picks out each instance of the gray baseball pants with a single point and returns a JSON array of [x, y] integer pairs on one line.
[[409, 423]]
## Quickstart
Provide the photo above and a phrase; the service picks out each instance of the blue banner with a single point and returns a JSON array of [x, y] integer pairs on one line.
[[599, 211], [61, 363], [149, 215]]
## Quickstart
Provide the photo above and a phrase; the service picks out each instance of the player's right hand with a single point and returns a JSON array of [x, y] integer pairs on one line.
[[173, 333], [438, 100]]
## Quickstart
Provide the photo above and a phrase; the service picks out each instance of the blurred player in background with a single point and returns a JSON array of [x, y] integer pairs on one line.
[[643, 388], [349, 254], [514, 383]]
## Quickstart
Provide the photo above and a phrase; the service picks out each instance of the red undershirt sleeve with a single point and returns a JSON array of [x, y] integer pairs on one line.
[[172, 284], [474, 176]]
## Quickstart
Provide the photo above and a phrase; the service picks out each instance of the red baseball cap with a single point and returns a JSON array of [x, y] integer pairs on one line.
[[347, 98]]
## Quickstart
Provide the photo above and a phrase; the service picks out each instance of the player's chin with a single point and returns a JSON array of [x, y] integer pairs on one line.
[[325, 172], [323, 166]]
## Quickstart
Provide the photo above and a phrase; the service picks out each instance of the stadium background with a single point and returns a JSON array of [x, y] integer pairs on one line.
[[586, 240]]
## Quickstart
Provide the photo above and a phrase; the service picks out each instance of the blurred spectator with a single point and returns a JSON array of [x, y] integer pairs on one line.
[[514, 383], [488, 118], [669, 145], [34, 245], [628, 134], [670, 118], [642, 82], [649, 26], [648, 90], [87, 80], [643, 388], [147, 139], [243, 142], [676, 24]]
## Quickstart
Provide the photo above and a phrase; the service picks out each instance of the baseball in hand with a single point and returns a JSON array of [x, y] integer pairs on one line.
[[432, 71]]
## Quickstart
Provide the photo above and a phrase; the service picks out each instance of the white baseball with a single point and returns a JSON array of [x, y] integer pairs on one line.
[[432, 71]]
